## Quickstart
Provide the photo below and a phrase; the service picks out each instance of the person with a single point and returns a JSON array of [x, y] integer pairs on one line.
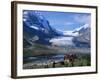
[[53, 64]]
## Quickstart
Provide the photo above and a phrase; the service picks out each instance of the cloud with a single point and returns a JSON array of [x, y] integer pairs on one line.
[[84, 19], [69, 23]]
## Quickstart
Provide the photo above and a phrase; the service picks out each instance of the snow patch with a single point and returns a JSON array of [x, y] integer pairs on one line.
[[70, 33], [34, 27], [24, 20]]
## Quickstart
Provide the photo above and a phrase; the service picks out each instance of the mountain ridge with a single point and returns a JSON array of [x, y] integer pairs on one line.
[[36, 29]]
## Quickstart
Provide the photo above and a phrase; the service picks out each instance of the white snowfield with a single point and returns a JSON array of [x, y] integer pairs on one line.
[[62, 41]]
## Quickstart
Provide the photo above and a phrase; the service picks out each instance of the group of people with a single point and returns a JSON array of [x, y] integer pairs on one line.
[[68, 58]]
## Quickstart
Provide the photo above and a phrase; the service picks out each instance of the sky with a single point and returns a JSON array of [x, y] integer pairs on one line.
[[66, 20]]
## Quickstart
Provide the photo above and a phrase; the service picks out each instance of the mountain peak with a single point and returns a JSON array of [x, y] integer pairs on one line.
[[85, 26]]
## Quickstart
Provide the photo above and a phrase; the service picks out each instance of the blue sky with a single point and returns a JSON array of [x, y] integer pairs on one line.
[[66, 20]]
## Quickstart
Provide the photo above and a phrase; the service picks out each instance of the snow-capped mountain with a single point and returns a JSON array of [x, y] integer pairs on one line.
[[84, 33], [79, 37], [34, 25], [36, 29], [82, 28], [84, 36], [76, 32]]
